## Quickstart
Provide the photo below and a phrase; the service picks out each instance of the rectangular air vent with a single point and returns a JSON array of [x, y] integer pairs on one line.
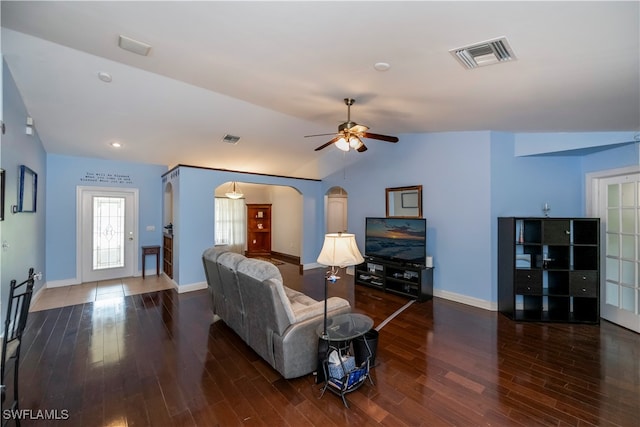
[[230, 139], [135, 46], [484, 53]]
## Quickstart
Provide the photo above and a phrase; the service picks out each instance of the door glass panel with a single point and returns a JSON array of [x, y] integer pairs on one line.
[[612, 294], [612, 269], [628, 194], [627, 299], [628, 220], [613, 243], [612, 196], [628, 247], [613, 222], [628, 272], [108, 232]]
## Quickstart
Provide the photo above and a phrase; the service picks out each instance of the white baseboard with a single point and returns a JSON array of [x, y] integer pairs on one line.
[[35, 297], [312, 265], [464, 299], [181, 289], [61, 283]]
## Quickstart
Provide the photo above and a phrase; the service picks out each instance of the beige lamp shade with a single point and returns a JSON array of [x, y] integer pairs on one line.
[[341, 250]]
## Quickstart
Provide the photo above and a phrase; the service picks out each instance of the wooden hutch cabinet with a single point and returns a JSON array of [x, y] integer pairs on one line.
[[167, 254], [258, 230]]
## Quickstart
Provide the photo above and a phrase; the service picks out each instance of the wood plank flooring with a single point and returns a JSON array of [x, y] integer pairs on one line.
[[156, 359]]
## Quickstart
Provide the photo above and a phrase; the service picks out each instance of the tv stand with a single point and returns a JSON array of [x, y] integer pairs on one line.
[[406, 279]]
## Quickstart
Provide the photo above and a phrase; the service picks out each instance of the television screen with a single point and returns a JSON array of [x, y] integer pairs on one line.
[[396, 239]]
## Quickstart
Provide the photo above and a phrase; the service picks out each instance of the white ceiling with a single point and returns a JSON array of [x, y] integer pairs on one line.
[[272, 72]]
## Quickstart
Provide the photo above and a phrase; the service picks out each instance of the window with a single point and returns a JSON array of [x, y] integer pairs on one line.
[[230, 223]]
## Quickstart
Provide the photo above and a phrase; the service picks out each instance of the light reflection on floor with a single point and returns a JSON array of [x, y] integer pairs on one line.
[[102, 294]]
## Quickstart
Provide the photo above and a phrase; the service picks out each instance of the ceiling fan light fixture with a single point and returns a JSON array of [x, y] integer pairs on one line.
[[235, 192], [354, 142], [342, 144]]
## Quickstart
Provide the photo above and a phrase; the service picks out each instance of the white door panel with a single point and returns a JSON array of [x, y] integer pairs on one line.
[[107, 233]]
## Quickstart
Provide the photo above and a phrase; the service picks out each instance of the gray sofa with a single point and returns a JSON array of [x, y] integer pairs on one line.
[[279, 323]]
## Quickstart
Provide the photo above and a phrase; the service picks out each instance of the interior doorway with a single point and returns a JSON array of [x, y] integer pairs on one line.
[[286, 216], [616, 201], [336, 208]]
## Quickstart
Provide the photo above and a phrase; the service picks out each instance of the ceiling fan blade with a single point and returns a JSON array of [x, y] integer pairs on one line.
[[380, 137], [328, 143], [362, 148], [320, 134]]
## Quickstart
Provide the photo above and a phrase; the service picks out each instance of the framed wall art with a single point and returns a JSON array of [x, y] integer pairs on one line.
[[28, 190]]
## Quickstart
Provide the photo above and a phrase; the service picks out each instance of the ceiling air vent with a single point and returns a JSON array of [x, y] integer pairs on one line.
[[230, 139], [135, 46], [484, 53]]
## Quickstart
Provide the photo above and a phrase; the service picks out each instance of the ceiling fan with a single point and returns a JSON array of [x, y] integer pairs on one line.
[[350, 134]]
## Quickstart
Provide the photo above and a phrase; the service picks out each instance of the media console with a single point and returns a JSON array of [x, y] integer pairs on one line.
[[411, 280]]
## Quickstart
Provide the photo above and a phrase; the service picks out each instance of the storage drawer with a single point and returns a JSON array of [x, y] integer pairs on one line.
[[528, 282], [583, 284]]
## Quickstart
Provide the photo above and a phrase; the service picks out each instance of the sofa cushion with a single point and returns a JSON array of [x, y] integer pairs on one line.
[[259, 269], [230, 260]]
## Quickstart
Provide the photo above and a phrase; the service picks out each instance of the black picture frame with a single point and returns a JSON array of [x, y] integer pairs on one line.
[[2, 179], [28, 191]]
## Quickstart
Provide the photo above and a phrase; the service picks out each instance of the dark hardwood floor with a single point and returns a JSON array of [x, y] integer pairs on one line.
[[156, 359]]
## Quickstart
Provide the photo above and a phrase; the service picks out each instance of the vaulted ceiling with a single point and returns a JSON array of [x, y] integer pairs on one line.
[[273, 72]]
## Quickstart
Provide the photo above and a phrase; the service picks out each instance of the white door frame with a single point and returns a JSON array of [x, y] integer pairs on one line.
[[593, 201], [133, 255]]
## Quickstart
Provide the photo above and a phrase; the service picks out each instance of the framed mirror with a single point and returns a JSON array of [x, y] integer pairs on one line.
[[404, 202], [28, 190]]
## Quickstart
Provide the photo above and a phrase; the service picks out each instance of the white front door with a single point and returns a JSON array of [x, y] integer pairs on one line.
[[619, 210], [107, 233]]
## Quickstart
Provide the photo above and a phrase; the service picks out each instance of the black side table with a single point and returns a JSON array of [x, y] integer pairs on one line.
[[341, 330]]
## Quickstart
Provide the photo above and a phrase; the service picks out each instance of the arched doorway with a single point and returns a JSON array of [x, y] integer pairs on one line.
[[336, 210], [286, 216]]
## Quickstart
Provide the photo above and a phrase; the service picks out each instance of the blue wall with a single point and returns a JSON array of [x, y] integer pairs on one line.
[[193, 199], [454, 170], [616, 157], [24, 233], [469, 179], [65, 174]]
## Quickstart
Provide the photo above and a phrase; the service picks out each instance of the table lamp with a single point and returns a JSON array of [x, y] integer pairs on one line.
[[339, 250]]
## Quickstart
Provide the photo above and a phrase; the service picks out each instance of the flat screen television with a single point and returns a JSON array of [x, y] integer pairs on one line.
[[401, 240]]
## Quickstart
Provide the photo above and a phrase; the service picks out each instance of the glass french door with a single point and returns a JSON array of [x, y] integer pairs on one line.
[[107, 234], [620, 209]]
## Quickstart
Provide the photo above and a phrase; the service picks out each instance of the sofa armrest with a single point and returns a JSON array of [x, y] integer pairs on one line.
[[296, 351]]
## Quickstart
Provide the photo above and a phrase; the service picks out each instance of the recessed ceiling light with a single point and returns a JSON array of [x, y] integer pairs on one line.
[[381, 66], [116, 144], [104, 76]]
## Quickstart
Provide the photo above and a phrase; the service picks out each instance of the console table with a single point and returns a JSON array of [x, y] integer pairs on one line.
[[341, 330], [151, 250]]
